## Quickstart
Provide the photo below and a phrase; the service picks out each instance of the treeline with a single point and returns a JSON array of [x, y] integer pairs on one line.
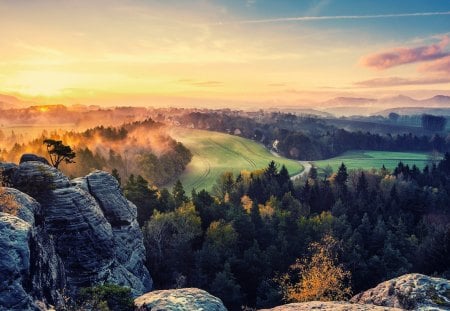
[[237, 241], [311, 138], [329, 144]]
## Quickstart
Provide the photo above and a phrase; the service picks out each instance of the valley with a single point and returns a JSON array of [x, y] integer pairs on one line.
[[369, 159], [214, 153]]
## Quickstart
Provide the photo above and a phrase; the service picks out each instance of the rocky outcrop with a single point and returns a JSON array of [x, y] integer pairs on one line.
[[184, 299], [407, 292], [38, 179], [66, 235], [28, 157], [411, 292], [15, 256], [329, 306]]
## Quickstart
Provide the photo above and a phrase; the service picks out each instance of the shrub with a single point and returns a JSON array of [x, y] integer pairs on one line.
[[106, 297]]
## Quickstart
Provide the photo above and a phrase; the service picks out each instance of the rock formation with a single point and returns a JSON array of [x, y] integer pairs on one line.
[[65, 235], [27, 157], [410, 291], [330, 306], [407, 292], [186, 299]]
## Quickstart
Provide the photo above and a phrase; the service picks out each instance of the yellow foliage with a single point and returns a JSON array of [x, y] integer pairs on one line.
[[8, 203], [319, 277], [247, 203], [266, 211]]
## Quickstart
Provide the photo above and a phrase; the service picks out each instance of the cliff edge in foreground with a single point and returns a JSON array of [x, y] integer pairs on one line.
[[57, 236]]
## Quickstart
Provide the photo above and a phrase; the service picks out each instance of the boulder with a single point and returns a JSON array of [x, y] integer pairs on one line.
[[329, 306], [410, 291], [29, 157], [183, 299], [37, 179]]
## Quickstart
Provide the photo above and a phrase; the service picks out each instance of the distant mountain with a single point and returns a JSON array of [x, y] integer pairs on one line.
[[11, 102], [415, 111], [399, 100], [437, 105], [350, 106], [438, 100]]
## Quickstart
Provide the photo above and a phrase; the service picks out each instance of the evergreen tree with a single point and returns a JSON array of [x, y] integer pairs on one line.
[[138, 191], [115, 174], [342, 175], [178, 193], [362, 187], [224, 286]]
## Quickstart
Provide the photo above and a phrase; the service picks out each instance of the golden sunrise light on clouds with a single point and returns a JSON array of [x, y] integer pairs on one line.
[[220, 52]]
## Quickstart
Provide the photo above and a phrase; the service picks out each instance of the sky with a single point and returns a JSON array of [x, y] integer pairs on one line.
[[227, 53]]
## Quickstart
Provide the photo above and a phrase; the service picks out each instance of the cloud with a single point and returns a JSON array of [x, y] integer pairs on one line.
[[402, 55], [441, 65], [249, 3], [318, 7], [397, 81], [210, 83], [331, 17]]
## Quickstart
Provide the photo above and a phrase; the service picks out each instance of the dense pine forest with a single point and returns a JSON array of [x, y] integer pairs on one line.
[[247, 240]]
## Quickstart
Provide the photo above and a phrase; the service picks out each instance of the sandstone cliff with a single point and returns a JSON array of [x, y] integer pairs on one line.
[[65, 235]]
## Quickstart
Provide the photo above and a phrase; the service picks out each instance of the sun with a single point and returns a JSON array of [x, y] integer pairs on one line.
[[43, 108]]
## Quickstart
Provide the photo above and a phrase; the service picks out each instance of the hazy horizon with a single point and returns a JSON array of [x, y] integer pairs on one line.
[[212, 54]]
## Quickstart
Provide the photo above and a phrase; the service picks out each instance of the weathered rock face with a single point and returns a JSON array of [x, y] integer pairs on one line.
[[410, 291], [72, 235], [14, 263], [36, 178], [186, 299], [329, 306]]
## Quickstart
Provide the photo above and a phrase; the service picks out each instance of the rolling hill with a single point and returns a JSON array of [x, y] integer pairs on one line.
[[215, 153]]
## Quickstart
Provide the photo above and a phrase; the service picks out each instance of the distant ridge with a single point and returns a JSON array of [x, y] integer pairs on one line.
[[348, 106], [9, 102], [415, 111]]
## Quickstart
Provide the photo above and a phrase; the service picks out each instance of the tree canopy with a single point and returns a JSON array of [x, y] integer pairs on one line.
[[59, 152]]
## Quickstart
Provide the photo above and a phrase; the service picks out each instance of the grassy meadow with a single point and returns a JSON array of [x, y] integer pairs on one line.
[[215, 153], [366, 159]]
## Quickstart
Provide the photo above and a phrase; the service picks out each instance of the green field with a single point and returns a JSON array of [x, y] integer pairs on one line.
[[366, 159], [215, 153]]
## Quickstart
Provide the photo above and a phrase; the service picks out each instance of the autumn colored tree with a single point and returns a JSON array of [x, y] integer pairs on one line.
[[317, 277], [59, 152], [8, 203]]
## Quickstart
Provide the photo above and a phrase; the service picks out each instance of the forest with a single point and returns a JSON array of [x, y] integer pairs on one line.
[[140, 146], [257, 237]]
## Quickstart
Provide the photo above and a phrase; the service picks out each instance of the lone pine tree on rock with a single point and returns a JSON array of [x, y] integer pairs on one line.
[[59, 152]]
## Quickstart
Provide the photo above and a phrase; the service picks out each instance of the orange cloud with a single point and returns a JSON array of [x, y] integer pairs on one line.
[[400, 56]]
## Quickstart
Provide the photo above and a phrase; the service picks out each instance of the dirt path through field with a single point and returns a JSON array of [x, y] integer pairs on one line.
[[307, 166]]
